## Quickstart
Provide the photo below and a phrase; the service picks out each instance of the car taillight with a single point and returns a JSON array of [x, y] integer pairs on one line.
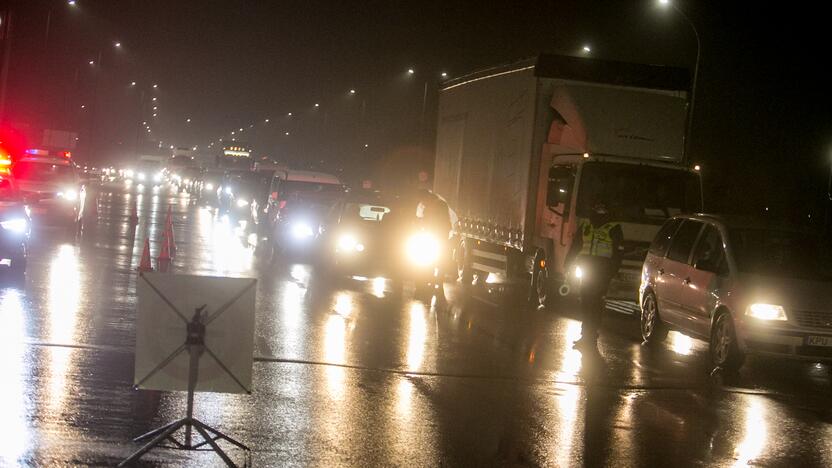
[[282, 204]]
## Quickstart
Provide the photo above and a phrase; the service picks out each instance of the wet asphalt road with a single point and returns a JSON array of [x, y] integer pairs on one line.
[[346, 375]]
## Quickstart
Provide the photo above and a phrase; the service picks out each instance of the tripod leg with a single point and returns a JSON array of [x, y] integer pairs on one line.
[[154, 432], [220, 434], [138, 453], [214, 446]]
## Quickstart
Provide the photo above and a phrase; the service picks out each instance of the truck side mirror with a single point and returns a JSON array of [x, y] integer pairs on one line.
[[559, 188]]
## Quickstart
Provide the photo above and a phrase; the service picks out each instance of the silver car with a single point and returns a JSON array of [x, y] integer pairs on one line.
[[744, 286]]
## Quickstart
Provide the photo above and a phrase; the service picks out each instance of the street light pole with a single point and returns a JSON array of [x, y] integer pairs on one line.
[[695, 75]]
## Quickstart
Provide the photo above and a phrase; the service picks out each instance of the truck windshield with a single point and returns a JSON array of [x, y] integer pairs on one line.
[[637, 193], [781, 253]]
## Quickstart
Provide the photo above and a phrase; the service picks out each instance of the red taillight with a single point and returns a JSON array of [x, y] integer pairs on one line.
[[66, 154]]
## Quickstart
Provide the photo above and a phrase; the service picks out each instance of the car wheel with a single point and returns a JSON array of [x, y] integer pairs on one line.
[[725, 351], [653, 330]]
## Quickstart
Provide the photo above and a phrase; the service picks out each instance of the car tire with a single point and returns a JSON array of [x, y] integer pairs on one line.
[[725, 351], [653, 330]]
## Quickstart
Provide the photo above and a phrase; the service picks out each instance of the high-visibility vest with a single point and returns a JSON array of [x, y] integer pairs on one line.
[[596, 242]]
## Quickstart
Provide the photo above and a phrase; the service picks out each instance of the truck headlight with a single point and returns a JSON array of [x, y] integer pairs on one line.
[[766, 312], [242, 202], [302, 230], [17, 225], [422, 249]]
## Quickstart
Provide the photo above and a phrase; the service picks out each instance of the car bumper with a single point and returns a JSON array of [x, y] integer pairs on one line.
[[54, 212], [12, 247], [788, 343]]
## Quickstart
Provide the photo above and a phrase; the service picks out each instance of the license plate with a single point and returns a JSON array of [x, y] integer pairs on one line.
[[819, 341]]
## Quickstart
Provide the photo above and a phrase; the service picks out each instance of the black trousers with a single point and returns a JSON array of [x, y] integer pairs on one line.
[[597, 273]]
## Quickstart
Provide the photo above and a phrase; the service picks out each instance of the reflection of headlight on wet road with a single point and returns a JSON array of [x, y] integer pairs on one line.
[[348, 243], [241, 202], [422, 249], [302, 230]]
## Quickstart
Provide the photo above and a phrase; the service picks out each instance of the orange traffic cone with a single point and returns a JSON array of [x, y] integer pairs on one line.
[[164, 254], [134, 214], [146, 264]]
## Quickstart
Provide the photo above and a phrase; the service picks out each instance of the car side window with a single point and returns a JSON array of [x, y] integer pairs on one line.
[[662, 240], [683, 240], [709, 254]]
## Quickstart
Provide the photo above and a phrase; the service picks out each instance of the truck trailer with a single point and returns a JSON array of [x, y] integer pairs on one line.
[[525, 150]]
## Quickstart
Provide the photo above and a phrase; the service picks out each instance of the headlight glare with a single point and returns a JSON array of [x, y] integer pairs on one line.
[[422, 249], [70, 195], [302, 230], [766, 312], [16, 225], [242, 202]]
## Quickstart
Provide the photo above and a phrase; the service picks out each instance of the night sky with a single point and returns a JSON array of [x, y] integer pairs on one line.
[[763, 118]]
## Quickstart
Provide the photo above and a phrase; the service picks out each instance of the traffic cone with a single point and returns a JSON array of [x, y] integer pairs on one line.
[[164, 254], [134, 214], [145, 264]]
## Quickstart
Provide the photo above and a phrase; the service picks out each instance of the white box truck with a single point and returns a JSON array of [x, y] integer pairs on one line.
[[524, 151]]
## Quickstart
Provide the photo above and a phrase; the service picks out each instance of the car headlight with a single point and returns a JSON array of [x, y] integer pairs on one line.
[[228, 190], [766, 312], [18, 225], [422, 249], [209, 186], [70, 195], [579, 272], [141, 176], [241, 203], [157, 178], [302, 230], [128, 173], [348, 243]]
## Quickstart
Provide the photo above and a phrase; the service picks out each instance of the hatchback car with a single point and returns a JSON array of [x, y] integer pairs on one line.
[[744, 286]]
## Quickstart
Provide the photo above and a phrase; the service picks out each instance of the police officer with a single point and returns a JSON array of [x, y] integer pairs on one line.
[[596, 250], [435, 218]]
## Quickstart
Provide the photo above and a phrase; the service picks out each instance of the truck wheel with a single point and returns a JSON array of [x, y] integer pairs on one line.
[[465, 273], [542, 286]]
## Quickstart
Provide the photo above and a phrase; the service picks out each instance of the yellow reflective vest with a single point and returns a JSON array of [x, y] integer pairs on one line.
[[596, 242]]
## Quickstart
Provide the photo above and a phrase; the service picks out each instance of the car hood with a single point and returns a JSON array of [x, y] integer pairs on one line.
[[28, 187], [791, 293]]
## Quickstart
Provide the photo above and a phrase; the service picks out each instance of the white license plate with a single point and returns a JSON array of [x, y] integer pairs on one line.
[[819, 341]]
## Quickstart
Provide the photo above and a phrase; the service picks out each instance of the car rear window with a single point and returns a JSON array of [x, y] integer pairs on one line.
[[683, 240], [662, 240]]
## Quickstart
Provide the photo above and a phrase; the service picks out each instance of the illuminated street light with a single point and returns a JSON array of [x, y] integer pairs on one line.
[[83, 106], [317, 105], [117, 45], [697, 168], [267, 120], [366, 145], [444, 74], [154, 115], [241, 129], [587, 49], [92, 62], [289, 114], [287, 133], [71, 3], [155, 86], [188, 120], [132, 83], [352, 91], [154, 99], [410, 71]]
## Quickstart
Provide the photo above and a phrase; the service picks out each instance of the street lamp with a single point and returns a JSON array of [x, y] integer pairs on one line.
[[695, 70], [352, 91], [587, 49], [117, 45], [410, 71], [72, 3]]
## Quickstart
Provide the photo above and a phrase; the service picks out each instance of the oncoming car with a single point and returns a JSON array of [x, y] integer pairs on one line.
[[370, 234], [52, 188], [744, 286]]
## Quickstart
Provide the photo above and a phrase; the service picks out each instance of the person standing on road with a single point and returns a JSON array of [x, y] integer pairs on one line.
[[435, 218], [596, 251]]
